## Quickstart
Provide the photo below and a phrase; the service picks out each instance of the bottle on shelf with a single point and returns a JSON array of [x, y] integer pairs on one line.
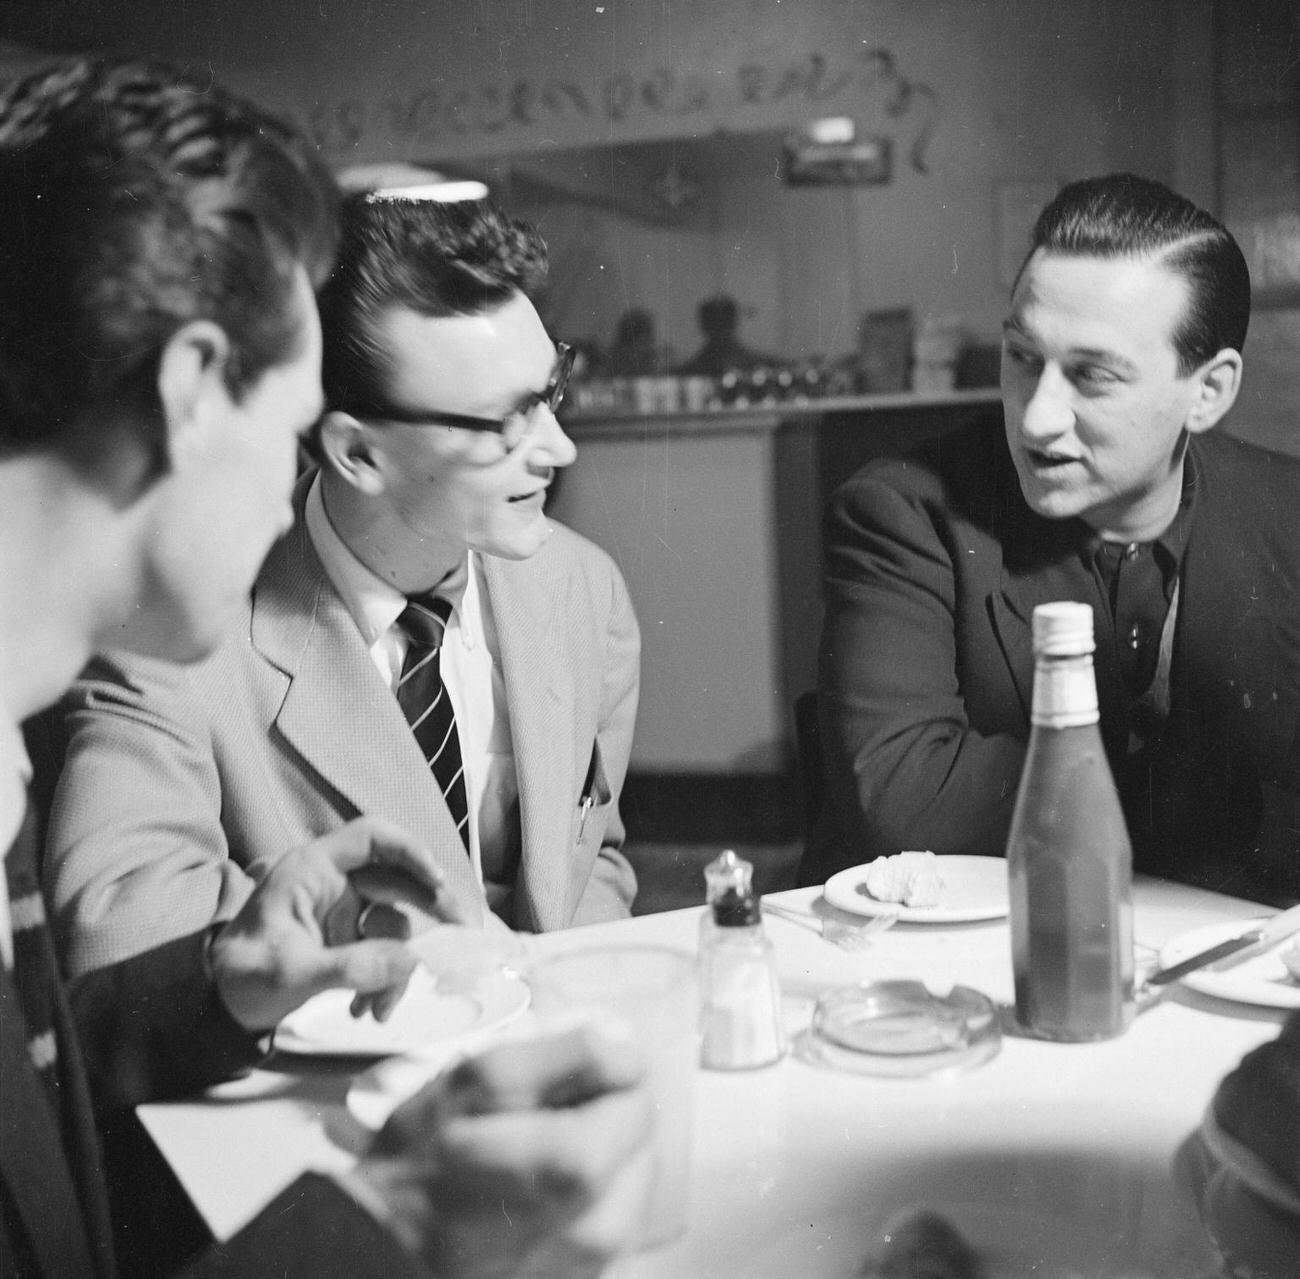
[[740, 995], [1068, 854]]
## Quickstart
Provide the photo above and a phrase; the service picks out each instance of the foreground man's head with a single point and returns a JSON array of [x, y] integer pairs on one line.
[[159, 346]]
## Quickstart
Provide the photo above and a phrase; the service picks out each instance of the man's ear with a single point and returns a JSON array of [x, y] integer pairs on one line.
[[347, 448], [1217, 383], [191, 386]]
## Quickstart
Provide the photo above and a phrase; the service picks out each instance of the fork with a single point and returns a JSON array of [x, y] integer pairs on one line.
[[836, 931]]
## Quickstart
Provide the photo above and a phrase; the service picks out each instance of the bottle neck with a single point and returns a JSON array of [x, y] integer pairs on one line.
[[1065, 692]]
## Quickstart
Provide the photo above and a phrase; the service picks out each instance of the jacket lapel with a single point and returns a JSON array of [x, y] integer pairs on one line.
[[1038, 567], [338, 714], [1012, 610], [529, 605]]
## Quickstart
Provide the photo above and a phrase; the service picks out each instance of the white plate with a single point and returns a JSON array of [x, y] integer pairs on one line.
[[1262, 980], [425, 1019], [973, 888]]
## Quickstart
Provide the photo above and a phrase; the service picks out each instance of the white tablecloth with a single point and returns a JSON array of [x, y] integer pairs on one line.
[[1049, 1151]]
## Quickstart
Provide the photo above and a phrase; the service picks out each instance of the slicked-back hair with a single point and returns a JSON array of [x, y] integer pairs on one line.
[[436, 259], [134, 200], [1122, 215]]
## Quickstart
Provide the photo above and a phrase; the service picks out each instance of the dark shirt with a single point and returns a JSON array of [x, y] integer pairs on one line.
[[1135, 582], [1137, 579]]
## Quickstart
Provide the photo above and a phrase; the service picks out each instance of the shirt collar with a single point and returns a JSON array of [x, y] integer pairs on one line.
[[1173, 541], [15, 777], [373, 604], [1171, 545]]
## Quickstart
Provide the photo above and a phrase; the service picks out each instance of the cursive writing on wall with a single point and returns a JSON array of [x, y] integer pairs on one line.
[[870, 84]]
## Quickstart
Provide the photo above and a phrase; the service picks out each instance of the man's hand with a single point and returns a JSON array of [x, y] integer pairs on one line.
[[533, 1158], [287, 943]]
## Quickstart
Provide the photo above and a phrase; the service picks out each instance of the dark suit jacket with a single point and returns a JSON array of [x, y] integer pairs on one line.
[[934, 566], [150, 1027]]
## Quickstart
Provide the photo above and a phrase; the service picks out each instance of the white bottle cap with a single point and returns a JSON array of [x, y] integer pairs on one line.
[[1063, 629]]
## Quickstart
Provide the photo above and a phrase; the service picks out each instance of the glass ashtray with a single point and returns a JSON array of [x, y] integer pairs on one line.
[[903, 1028]]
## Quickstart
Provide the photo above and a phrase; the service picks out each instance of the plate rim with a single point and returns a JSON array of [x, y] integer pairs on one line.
[[1221, 985], [510, 988], [869, 906]]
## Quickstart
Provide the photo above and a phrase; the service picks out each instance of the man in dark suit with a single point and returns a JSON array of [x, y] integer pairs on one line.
[[1121, 353], [159, 357]]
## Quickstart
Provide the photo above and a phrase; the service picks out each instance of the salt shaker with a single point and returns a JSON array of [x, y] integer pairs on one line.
[[740, 996]]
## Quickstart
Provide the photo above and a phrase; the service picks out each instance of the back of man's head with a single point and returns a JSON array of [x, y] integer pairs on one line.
[[133, 201], [1123, 215], [436, 259]]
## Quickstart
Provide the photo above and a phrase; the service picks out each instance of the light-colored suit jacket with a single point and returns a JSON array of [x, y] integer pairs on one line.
[[178, 782]]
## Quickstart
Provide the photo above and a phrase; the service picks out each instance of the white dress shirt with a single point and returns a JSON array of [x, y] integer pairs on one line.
[[470, 665]]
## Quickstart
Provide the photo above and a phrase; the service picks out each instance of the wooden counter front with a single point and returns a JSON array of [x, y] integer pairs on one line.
[[715, 521]]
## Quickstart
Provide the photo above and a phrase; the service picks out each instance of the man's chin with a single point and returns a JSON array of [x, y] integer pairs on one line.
[[520, 545], [1050, 503]]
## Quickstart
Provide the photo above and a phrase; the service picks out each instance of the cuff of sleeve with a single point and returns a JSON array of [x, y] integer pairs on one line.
[[217, 1045], [316, 1227]]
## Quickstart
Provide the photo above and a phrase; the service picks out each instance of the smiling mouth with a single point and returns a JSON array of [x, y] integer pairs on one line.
[[527, 497]]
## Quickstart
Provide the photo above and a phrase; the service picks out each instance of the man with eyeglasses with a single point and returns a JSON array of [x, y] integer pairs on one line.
[[424, 645]]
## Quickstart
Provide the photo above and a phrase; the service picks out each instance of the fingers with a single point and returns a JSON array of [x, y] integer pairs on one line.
[[562, 1160], [379, 921], [373, 842], [615, 1218], [554, 1071], [384, 868], [570, 1185], [392, 885], [379, 1004], [562, 1069], [376, 969]]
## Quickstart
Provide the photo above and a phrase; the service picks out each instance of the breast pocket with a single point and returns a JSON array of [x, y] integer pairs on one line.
[[593, 803]]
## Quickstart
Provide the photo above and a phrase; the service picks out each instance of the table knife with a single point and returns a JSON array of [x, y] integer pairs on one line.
[[1257, 939]]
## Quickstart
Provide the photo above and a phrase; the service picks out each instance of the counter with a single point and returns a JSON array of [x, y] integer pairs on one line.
[[714, 519]]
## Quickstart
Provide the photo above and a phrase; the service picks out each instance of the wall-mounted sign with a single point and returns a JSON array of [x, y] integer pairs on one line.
[[862, 162]]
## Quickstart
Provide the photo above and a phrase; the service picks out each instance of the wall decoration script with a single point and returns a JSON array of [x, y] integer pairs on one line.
[[438, 114]]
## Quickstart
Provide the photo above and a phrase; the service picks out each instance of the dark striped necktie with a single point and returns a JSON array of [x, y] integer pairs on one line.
[[35, 967], [426, 704], [52, 1045]]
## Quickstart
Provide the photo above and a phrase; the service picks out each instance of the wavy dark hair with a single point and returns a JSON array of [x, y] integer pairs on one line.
[[1123, 215], [133, 200], [436, 259]]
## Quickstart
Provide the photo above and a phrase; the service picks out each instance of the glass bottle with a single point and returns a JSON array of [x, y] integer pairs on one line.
[[740, 996], [1068, 854]]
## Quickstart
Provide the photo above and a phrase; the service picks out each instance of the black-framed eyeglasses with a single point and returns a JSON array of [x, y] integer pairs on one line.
[[512, 429]]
